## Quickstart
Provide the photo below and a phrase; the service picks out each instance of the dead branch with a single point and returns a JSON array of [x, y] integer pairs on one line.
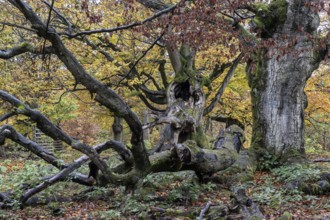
[[204, 210], [123, 27], [321, 160], [6, 131], [23, 48]]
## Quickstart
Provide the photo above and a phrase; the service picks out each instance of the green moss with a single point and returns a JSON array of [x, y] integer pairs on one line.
[[161, 161], [134, 93], [286, 216], [256, 81], [303, 187], [259, 23], [293, 156], [281, 7], [206, 81], [26, 45], [200, 138], [270, 16], [262, 7], [180, 77], [192, 145], [315, 189], [187, 70]]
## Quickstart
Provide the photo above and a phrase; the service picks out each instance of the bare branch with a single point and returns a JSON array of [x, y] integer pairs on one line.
[[6, 131], [23, 48], [217, 71], [158, 97], [123, 27], [43, 123], [66, 21], [224, 84], [164, 120], [151, 107], [228, 120], [174, 55], [161, 69], [154, 4], [47, 25], [150, 77], [204, 210], [17, 26], [95, 47], [141, 57], [6, 116], [321, 160]]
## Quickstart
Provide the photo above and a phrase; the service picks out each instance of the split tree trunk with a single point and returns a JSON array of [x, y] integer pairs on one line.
[[277, 76]]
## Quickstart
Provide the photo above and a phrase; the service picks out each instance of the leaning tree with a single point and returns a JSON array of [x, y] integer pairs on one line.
[[280, 47]]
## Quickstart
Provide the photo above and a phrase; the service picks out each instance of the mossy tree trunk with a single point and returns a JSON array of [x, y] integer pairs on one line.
[[277, 76]]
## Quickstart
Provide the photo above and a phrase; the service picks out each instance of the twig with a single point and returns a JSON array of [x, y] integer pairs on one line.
[[140, 58], [204, 210], [17, 26], [6, 116], [321, 160], [224, 84], [51, 6], [47, 25], [123, 27]]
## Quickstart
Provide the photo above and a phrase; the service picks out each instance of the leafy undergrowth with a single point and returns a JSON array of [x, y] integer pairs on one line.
[[163, 196], [275, 199]]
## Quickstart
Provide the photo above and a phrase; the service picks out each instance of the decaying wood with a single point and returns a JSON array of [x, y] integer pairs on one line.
[[204, 210], [321, 160]]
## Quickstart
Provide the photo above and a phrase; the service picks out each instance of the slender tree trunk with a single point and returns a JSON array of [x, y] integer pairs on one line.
[[146, 132], [277, 76]]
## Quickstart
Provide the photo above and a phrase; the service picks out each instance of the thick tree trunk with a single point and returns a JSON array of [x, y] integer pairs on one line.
[[278, 75]]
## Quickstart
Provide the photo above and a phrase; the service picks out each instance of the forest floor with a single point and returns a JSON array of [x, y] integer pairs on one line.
[[163, 196]]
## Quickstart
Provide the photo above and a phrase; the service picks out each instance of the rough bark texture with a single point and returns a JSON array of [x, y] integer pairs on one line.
[[278, 74], [117, 128]]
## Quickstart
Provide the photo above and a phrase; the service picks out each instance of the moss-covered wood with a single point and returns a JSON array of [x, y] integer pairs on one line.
[[269, 17]]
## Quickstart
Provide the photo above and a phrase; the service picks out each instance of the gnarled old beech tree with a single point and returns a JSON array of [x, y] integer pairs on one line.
[[281, 50]]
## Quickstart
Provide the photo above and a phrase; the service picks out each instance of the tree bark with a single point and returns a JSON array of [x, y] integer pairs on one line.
[[277, 76], [117, 128]]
